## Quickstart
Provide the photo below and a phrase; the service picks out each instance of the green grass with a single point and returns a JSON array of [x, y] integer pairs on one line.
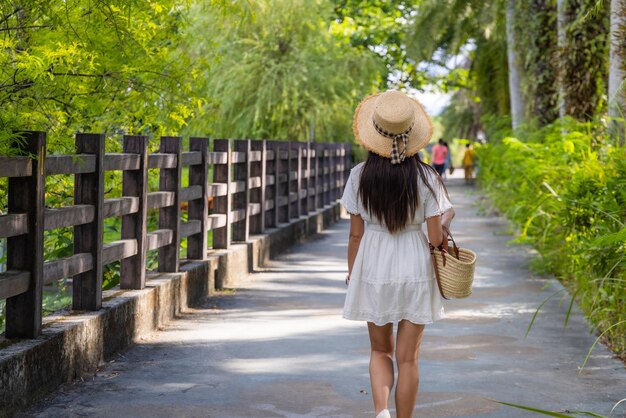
[[538, 411]]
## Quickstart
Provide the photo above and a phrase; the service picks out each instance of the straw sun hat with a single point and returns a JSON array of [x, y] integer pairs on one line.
[[392, 125]]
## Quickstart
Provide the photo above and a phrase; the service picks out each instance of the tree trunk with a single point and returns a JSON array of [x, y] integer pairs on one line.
[[515, 87], [561, 21], [536, 31], [583, 57], [617, 68]]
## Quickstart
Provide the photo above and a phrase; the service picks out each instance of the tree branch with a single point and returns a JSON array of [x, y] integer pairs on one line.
[[7, 29], [82, 74], [6, 17]]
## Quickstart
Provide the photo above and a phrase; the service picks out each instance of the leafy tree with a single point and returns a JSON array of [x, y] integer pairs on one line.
[[441, 29], [81, 65], [382, 26], [280, 66], [461, 118], [475, 30], [490, 73]]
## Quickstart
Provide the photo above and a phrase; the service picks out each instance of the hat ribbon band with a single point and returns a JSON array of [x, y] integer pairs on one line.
[[396, 156]]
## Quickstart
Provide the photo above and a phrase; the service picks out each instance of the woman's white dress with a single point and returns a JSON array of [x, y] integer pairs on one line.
[[392, 277]]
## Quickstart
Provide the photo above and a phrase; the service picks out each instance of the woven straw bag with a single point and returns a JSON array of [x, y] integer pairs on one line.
[[454, 271]]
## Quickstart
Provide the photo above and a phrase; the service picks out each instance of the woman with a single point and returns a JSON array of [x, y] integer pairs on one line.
[[439, 157], [390, 275]]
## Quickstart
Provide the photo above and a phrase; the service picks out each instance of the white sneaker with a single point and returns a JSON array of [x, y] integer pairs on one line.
[[384, 414]]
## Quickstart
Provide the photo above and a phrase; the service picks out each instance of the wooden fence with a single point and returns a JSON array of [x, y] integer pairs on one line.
[[255, 185]]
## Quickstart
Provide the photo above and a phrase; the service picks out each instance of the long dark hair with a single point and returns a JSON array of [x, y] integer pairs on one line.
[[390, 192]]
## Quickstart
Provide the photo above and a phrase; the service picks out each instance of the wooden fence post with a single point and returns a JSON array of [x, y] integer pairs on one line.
[[334, 169], [258, 169], [306, 179], [135, 183], [282, 177], [241, 199], [323, 174], [290, 186], [347, 165], [88, 238], [25, 252], [222, 174], [331, 173], [169, 217], [197, 246], [339, 168], [277, 187], [296, 148], [316, 178], [272, 217]]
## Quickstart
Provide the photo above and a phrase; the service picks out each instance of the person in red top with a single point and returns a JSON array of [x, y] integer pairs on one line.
[[440, 153]]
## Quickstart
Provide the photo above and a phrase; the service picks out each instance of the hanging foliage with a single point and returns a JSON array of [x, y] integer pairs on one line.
[[490, 72], [443, 31], [461, 118], [283, 66], [441, 28]]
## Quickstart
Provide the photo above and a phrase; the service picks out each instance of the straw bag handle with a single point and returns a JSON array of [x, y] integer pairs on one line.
[[455, 248], [432, 255]]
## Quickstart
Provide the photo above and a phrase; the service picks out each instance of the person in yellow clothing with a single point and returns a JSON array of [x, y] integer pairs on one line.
[[468, 163]]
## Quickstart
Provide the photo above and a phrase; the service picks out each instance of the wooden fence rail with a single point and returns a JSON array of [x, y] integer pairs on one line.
[[255, 185]]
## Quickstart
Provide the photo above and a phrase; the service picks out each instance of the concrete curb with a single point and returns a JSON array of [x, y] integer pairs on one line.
[[74, 344]]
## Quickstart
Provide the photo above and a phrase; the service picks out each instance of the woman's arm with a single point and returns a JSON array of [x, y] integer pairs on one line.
[[435, 232], [437, 235], [447, 216], [357, 227]]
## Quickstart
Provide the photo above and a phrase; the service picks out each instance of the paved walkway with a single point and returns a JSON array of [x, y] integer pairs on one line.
[[279, 348]]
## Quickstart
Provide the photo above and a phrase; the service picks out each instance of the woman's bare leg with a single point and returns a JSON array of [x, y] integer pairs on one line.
[[407, 351], [381, 364]]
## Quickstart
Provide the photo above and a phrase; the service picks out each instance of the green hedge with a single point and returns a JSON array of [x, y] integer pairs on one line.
[[564, 187]]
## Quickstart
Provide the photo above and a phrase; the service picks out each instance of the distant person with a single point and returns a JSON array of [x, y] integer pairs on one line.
[[440, 153], [448, 167], [390, 274], [469, 159]]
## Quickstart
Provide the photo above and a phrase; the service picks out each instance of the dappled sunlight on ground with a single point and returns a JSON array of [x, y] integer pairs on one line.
[[297, 365], [498, 311], [265, 326]]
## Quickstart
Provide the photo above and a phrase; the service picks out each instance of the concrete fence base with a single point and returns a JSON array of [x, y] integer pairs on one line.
[[74, 344]]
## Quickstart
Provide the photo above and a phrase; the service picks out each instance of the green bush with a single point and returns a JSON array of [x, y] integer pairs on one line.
[[564, 187]]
